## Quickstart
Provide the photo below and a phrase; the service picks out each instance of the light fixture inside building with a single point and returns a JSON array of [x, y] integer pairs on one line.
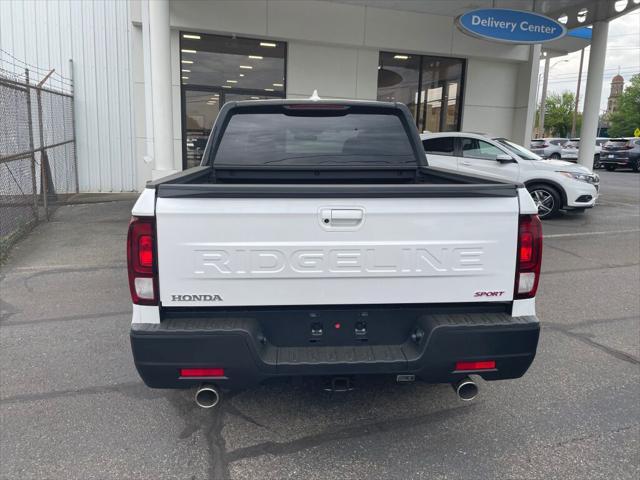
[[268, 90], [255, 57], [187, 61], [246, 67], [226, 86], [185, 50], [401, 57], [255, 98], [241, 74], [277, 85], [186, 70], [185, 78], [267, 44], [232, 81], [191, 37]]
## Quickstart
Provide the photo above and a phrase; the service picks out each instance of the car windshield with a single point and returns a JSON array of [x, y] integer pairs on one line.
[[518, 149], [286, 136]]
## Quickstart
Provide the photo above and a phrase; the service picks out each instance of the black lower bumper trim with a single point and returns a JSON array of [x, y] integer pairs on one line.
[[239, 346]]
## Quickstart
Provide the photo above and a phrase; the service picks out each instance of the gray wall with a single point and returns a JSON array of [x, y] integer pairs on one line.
[[95, 35]]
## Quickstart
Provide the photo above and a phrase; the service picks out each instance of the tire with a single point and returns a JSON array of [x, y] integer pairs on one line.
[[546, 198], [554, 156], [596, 162], [636, 165], [610, 168]]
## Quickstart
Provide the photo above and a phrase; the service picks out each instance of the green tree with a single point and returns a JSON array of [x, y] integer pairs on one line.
[[626, 118], [559, 113]]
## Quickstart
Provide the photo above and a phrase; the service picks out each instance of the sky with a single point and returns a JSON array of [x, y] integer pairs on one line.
[[623, 51]]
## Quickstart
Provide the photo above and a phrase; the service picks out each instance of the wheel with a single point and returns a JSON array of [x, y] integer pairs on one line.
[[554, 156], [596, 162], [636, 165], [610, 168], [546, 198]]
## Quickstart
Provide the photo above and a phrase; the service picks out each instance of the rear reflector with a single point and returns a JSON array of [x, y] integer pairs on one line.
[[202, 372], [529, 257], [482, 365]]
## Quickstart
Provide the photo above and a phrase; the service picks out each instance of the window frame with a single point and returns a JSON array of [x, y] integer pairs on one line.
[[460, 97]]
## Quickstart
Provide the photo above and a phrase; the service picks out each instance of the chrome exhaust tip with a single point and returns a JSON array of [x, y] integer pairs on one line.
[[466, 389], [207, 396]]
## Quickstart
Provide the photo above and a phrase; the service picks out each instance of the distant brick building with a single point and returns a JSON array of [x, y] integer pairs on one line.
[[617, 86]]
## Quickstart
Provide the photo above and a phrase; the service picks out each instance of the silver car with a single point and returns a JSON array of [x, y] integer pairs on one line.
[[548, 147]]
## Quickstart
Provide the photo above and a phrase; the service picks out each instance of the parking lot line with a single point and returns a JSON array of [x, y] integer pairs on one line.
[[587, 234]]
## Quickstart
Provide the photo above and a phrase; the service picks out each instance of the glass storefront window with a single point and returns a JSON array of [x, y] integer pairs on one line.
[[216, 69], [430, 86], [399, 78]]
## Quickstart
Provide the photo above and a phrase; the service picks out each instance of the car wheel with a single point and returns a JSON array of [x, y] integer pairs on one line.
[[596, 162], [554, 156], [546, 199], [610, 168], [636, 165]]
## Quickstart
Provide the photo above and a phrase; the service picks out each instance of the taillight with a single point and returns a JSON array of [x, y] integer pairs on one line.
[[141, 261], [529, 257]]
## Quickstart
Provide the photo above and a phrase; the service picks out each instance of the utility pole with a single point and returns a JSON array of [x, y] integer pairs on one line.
[[543, 100], [575, 109]]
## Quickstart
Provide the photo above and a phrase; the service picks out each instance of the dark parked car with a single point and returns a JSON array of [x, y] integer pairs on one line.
[[621, 153]]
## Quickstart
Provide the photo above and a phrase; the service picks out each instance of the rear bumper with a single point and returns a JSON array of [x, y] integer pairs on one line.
[[617, 161], [239, 346]]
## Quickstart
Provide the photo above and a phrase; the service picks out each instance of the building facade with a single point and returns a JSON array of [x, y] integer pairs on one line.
[[150, 76]]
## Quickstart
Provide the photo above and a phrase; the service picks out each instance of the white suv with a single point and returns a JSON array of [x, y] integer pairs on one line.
[[553, 184]]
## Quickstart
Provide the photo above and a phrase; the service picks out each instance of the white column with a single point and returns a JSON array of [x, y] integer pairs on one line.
[[592, 93], [543, 100], [526, 89], [160, 49]]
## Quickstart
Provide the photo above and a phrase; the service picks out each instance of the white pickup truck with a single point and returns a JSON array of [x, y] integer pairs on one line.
[[315, 240]]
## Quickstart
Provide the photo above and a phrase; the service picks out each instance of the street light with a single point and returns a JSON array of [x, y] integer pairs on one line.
[[543, 101]]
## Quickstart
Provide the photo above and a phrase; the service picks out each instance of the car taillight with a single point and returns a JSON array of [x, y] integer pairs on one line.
[[529, 257], [141, 261]]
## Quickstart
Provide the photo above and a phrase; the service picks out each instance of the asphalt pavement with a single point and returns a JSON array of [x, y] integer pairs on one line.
[[73, 407]]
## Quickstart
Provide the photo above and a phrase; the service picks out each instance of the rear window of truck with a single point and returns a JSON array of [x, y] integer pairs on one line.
[[292, 135]]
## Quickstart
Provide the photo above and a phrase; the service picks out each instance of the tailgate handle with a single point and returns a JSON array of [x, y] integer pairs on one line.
[[346, 217]]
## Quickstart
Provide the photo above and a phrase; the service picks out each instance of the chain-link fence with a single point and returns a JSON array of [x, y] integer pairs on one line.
[[38, 164]]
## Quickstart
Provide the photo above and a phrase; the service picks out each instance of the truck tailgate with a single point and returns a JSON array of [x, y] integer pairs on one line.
[[324, 251]]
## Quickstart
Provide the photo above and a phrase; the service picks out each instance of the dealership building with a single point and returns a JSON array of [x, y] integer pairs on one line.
[[149, 77]]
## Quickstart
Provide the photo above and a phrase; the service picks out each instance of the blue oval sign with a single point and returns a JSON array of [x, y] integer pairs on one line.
[[510, 26]]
